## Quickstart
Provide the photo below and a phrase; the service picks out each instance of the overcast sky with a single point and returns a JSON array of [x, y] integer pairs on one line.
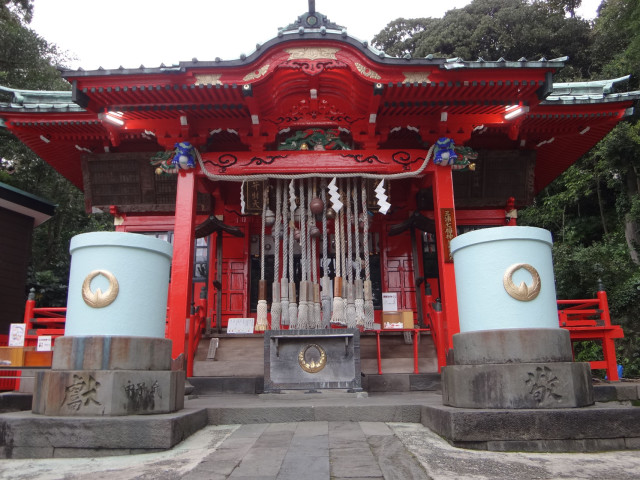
[[150, 32]]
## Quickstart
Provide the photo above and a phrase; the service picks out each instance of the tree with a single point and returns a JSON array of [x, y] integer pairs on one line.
[[492, 29], [27, 62]]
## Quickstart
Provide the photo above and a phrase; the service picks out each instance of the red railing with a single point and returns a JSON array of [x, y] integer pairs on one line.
[[197, 323], [590, 320], [435, 321], [41, 321]]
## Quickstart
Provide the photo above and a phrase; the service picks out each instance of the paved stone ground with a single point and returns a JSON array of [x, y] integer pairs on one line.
[[326, 450]]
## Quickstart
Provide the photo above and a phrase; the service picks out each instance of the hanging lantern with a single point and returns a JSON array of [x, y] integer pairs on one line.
[[316, 206], [269, 218]]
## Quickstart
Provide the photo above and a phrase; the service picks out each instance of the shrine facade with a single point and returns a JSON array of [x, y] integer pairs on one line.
[[315, 169]]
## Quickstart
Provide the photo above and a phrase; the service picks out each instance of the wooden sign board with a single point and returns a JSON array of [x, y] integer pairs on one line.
[[240, 325]]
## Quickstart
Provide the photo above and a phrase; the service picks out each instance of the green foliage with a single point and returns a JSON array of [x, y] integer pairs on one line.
[[492, 29], [27, 62], [593, 208]]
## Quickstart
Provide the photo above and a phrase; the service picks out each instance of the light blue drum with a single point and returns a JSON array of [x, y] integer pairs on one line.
[[118, 285], [504, 279]]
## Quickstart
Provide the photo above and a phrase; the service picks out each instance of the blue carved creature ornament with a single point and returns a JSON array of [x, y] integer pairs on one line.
[[444, 152], [184, 156]]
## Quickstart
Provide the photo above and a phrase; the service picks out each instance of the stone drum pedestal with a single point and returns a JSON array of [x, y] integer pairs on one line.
[[510, 352], [113, 359]]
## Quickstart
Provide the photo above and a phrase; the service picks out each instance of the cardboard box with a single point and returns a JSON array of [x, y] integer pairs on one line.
[[407, 318], [392, 320], [13, 355]]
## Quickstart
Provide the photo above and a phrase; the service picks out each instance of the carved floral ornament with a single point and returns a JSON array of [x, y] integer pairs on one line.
[[522, 292], [416, 77], [367, 72], [98, 299], [312, 366], [256, 73], [208, 79], [314, 53]]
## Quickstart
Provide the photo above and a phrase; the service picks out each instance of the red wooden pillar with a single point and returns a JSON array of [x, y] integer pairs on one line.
[[182, 264], [444, 213]]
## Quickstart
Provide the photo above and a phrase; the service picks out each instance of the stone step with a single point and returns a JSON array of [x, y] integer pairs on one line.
[[403, 382], [243, 356]]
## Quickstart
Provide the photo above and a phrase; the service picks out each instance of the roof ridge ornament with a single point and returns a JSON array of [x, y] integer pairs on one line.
[[311, 19]]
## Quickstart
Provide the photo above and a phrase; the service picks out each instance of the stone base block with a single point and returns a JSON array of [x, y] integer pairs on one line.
[[516, 345], [111, 353], [520, 385], [108, 392]]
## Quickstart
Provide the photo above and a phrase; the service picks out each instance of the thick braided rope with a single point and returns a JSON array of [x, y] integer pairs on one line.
[[368, 294], [349, 255], [265, 176], [365, 233], [284, 287], [350, 313], [293, 306], [327, 290], [356, 227], [276, 307], [357, 284], [343, 257], [316, 319], [303, 301], [262, 310], [337, 313]]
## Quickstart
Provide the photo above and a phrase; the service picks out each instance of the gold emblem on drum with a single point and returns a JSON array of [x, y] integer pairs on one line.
[[522, 292], [98, 299], [312, 366]]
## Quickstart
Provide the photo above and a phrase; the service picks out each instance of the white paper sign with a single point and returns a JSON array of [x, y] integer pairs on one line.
[[44, 343], [16, 335], [389, 302], [240, 325]]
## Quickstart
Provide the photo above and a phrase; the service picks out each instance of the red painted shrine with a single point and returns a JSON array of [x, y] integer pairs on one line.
[[275, 127]]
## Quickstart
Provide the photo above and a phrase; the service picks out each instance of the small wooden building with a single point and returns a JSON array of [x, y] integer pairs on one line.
[[20, 213], [451, 144]]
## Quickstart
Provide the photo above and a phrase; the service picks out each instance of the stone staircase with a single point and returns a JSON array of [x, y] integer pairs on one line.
[[238, 365]]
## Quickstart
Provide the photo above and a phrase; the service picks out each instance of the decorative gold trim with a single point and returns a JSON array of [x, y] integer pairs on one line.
[[256, 73], [523, 292], [208, 79], [367, 72], [416, 77], [312, 53], [98, 299], [312, 366]]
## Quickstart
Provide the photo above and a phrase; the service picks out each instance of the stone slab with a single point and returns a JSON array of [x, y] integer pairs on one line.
[[111, 353], [519, 385], [517, 345], [27, 435], [108, 392], [568, 429], [227, 385]]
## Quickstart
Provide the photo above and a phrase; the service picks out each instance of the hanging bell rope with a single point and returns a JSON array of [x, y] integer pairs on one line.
[[276, 307], [261, 322], [337, 315], [315, 319], [303, 307], [327, 292], [368, 293], [284, 286], [358, 286], [293, 306], [350, 313]]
